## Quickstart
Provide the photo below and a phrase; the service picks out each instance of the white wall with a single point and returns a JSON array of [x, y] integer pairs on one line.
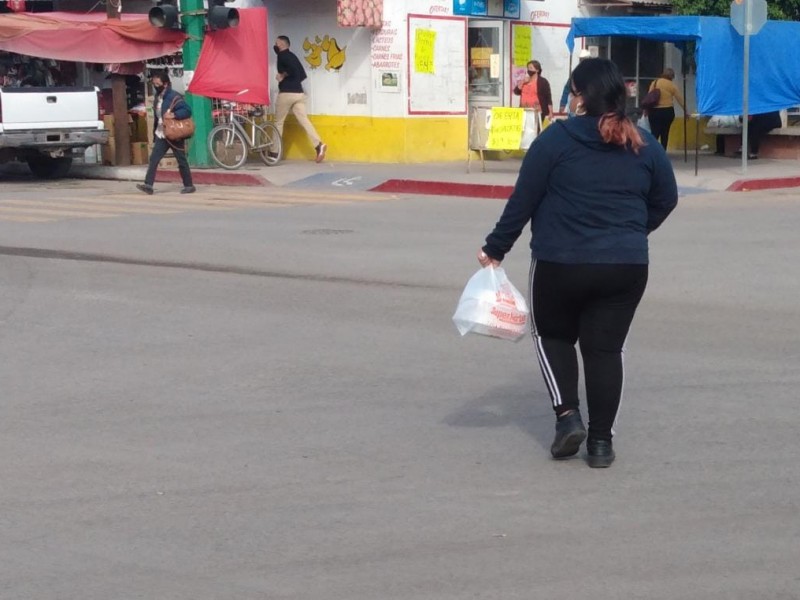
[[345, 91]]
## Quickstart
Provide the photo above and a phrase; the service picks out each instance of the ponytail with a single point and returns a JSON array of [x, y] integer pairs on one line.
[[615, 128]]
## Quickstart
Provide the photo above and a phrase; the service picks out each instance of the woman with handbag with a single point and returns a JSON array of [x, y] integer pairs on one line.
[[663, 114], [169, 108]]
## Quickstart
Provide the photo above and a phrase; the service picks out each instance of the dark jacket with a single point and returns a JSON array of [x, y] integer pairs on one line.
[[290, 65], [181, 108], [588, 201]]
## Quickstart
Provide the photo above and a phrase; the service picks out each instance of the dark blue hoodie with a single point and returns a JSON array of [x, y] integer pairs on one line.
[[588, 201]]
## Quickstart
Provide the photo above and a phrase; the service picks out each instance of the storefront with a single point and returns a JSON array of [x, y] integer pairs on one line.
[[402, 93]]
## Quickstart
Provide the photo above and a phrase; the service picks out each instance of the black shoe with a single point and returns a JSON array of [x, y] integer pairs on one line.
[[321, 149], [189, 189], [600, 453], [752, 156], [570, 434], [143, 187]]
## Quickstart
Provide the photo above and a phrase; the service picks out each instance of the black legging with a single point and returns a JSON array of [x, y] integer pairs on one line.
[[592, 304], [660, 121]]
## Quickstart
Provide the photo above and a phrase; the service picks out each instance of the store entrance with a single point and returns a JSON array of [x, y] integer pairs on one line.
[[486, 53]]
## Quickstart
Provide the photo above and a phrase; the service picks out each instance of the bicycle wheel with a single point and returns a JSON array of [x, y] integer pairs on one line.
[[227, 146], [268, 143]]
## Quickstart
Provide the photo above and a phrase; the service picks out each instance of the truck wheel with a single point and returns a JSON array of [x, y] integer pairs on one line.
[[46, 167]]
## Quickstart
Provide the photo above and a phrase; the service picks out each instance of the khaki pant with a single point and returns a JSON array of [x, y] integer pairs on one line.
[[297, 104]]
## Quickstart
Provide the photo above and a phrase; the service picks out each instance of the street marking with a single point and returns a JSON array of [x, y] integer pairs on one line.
[[57, 213], [348, 181], [100, 204], [87, 205]]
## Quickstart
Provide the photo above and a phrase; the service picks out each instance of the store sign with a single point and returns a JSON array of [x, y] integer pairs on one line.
[[499, 9]]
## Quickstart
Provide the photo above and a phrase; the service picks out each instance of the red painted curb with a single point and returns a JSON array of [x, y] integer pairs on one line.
[[444, 188], [209, 178], [749, 185]]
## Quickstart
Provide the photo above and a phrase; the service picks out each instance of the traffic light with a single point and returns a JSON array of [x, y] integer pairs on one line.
[[164, 15], [220, 17]]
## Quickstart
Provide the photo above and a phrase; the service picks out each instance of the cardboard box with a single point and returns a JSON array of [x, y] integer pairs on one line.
[[108, 123], [139, 154], [139, 133], [109, 152], [168, 162]]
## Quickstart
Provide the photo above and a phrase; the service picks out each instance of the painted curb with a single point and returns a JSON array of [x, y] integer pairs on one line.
[[753, 185], [444, 188]]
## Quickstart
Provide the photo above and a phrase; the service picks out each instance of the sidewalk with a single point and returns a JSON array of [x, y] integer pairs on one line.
[[715, 174]]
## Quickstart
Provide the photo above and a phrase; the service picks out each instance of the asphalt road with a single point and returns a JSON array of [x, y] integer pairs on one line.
[[259, 394]]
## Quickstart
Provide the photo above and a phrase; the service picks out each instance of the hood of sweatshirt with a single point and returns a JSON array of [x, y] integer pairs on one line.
[[584, 130]]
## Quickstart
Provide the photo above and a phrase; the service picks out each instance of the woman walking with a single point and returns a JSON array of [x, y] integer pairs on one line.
[[534, 90], [593, 188], [167, 103], [662, 116]]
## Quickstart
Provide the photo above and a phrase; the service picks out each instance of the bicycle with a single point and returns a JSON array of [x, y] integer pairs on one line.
[[230, 143]]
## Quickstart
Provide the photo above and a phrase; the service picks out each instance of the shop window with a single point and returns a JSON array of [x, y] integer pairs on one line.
[[484, 62]]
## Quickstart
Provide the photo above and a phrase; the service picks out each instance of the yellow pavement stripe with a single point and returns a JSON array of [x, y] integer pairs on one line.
[[199, 202], [321, 196], [56, 213], [21, 219], [87, 206]]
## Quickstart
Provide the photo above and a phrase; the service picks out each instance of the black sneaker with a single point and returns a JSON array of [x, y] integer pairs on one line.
[[570, 434], [321, 149], [189, 189], [600, 453], [143, 187]]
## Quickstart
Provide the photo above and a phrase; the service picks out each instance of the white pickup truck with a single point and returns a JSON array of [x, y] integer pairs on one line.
[[46, 127]]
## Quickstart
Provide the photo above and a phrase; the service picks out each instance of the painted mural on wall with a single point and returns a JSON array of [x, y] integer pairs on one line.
[[359, 13], [324, 52]]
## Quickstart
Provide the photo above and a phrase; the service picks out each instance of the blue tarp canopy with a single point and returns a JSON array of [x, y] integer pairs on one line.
[[775, 66]]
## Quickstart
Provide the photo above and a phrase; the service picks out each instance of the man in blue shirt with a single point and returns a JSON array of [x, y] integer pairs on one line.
[[564, 104]]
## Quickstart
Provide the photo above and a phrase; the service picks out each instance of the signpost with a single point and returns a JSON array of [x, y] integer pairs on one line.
[[747, 18]]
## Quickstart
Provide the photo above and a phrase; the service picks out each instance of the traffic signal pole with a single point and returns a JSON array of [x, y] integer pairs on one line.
[[194, 23]]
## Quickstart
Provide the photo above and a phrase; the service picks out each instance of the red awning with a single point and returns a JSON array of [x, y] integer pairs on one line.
[[233, 64], [87, 37]]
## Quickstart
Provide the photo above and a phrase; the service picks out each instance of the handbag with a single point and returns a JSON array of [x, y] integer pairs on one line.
[[652, 97], [176, 130]]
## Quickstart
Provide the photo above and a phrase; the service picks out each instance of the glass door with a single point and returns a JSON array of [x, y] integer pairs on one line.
[[485, 51]]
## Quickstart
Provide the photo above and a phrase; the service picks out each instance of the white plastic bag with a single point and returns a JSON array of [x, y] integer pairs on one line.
[[531, 129], [644, 123], [491, 305]]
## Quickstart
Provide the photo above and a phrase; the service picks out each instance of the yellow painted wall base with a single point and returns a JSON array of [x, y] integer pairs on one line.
[[381, 140], [415, 139], [676, 134]]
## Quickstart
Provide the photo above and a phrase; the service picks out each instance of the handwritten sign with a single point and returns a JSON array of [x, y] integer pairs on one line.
[[424, 45], [523, 48], [505, 128]]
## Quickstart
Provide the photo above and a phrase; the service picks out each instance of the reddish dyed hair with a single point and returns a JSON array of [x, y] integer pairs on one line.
[[619, 130], [602, 90]]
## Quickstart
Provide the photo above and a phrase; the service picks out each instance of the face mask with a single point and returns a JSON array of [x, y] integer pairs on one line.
[[159, 88], [276, 48], [531, 73]]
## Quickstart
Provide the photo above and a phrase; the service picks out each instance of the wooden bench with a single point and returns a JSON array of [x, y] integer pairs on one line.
[[783, 142]]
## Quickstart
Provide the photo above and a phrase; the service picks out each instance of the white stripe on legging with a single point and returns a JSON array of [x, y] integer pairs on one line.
[[622, 387], [547, 372]]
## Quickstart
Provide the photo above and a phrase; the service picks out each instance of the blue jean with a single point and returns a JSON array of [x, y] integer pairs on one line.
[[160, 148]]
